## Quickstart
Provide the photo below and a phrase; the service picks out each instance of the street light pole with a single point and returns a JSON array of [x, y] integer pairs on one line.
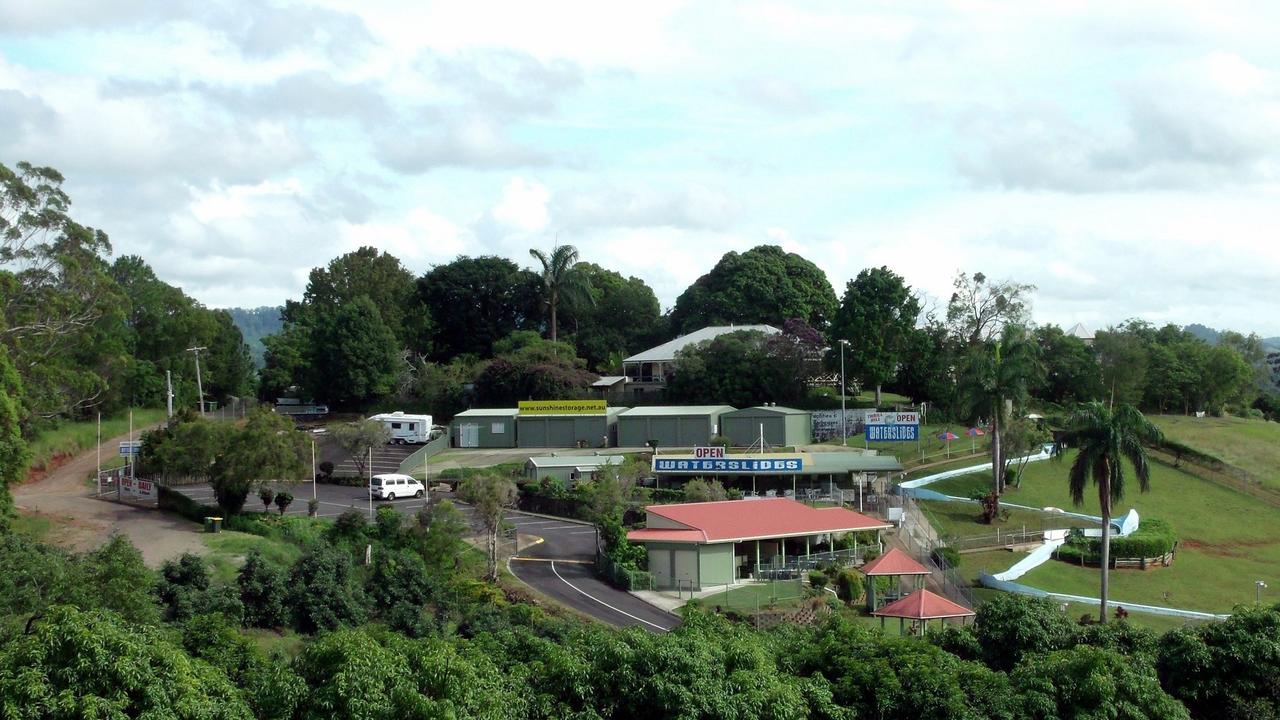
[[1258, 585], [844, 438]]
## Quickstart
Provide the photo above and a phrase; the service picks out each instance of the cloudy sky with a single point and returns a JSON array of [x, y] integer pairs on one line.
[[1124, 157]]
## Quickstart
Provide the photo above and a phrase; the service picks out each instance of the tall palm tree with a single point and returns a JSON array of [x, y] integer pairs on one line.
[[994, 378], [1104, 439], [561, 280]]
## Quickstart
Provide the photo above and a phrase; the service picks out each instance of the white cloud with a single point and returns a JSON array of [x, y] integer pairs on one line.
[[1123, 157]]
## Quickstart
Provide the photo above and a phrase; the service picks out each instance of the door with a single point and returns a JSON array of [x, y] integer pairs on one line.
[[469, 435]]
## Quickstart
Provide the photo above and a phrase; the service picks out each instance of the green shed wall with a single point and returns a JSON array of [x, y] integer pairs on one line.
[[715, 564], [486, 437]]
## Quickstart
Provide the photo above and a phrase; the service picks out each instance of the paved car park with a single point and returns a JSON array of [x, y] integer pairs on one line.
[[557, 557]]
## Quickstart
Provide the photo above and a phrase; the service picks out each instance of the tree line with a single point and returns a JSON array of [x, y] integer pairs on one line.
[[414, 632]]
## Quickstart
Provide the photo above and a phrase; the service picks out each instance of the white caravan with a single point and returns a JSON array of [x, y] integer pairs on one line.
[[406, 429]]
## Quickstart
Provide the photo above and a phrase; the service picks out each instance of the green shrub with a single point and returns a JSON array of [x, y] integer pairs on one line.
[[945, 557], [1154, 538], [818, 580], [849, 587]]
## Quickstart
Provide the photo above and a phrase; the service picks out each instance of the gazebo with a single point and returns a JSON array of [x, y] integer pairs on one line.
[[922, 606], [894, 563]]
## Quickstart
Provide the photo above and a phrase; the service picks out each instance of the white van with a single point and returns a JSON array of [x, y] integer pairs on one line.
[[406, 429], [395, 485]]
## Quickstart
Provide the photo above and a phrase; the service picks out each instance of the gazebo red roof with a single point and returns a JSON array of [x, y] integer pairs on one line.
[[894, 562], [923, 605]]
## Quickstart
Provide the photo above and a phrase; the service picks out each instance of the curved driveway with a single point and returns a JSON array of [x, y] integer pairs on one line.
[[562, 566]]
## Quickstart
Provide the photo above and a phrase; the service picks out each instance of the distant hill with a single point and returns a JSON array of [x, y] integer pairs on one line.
[[255, 324], [1213, 336]]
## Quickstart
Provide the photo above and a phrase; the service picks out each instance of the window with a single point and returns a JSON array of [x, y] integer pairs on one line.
[[412, 425], [497, 428], [395, 426]]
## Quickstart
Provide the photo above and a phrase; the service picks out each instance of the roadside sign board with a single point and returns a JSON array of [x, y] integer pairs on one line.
[[130, 447], [562, 407], [893, 426], [138, 489]]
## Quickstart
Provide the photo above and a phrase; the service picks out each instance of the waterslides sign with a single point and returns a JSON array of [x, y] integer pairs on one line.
[[775, 464], [892, 426]]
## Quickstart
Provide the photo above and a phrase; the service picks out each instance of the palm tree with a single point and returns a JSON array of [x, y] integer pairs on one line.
[[1103, 440], [561, 279], [995, 377]]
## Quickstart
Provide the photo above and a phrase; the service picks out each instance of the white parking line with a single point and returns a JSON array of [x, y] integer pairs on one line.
[[582, 532], [563, 527], [623, 612]]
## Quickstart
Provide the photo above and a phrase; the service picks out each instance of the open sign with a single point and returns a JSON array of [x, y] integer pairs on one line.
[[708, 452]]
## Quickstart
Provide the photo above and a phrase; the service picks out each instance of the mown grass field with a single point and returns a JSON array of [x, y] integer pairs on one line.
[[228, 549], [749, 598], [1227, 540], [72, 438], [1252, 445], [930, 449]]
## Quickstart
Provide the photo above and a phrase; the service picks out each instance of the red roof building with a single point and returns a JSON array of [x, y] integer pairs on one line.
[[923, 606], [695, 545], [739, 520], [894, 562]]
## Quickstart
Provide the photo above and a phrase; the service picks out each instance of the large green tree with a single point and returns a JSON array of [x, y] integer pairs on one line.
[[1103, 441], [561, 281], [765, 284], [477, 301], [378, 276], [75, 664], [14, 452], [623, 317], [1071, 370], [265, 447], [54, 293], [995, 378], [877, 315], [353, 356]]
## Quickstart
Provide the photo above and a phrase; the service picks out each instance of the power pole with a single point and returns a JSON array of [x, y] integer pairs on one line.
[[199, 385], [168, 381]]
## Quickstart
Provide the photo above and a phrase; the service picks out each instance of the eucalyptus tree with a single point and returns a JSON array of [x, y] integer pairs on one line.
[[1103, 440]]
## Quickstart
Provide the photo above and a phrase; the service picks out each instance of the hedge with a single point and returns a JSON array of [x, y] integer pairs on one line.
[[1153, 538], [173, 501]]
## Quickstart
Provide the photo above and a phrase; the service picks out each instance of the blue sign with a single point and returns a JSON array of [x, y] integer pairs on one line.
[[729, 465], [892, 433]]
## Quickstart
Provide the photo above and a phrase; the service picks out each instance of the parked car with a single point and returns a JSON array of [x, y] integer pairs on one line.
[[394, 485]]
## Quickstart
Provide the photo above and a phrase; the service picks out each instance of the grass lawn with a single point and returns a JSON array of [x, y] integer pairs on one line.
[[286, 642], [71, 438], [930, 449], [935, 466], [1252, 445], [229, 548], [961, 520], [746, 598], [1227, 540]]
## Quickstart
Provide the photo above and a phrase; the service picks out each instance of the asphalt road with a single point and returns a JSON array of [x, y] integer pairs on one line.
[[557, 560]]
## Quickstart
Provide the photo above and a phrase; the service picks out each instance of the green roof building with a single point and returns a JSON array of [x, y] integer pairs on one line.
[[781, 426], [670, 426], [484, 428]]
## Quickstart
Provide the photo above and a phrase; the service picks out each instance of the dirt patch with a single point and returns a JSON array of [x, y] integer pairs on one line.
[[36, 473], [1234, 549]]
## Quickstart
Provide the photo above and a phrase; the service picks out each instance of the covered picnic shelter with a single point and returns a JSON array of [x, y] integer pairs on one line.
[[894, 563], [693, 545], [920, 607]]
